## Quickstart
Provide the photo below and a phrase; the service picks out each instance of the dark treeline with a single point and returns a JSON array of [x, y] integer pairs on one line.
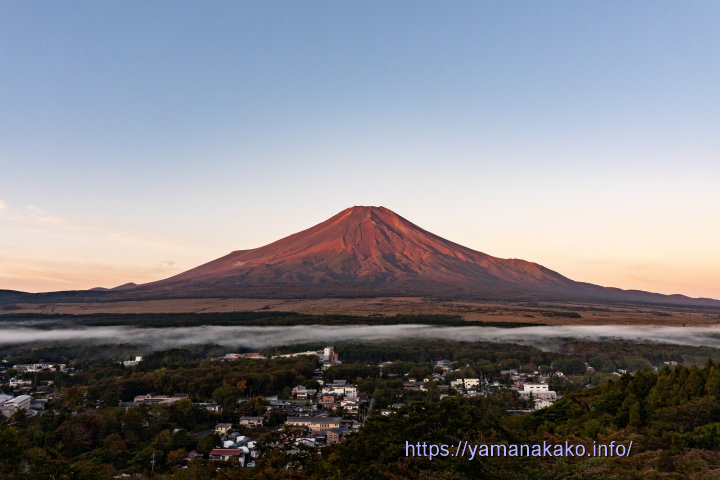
[[168, 320], [66, 353]]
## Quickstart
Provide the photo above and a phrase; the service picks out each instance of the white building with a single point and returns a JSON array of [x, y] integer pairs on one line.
[[536, 387], [541, 403], [327, 354], [538, 391], [39, 367], [457, 384], [21, 402], [133, 363], [471, 383], [16, 382], [340, 387]]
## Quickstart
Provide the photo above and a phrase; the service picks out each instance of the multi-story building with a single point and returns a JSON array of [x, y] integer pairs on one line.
[[21, 402]]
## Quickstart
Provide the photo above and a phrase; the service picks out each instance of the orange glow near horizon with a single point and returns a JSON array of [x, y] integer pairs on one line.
[[83, 256]]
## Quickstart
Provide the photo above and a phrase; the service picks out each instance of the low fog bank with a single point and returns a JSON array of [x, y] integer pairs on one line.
[[544, 337]]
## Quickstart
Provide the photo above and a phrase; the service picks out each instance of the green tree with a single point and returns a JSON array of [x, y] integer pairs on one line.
[[206, 443], [712, 384], [226, 396], [10, 450], [635, 415], [176, 457]]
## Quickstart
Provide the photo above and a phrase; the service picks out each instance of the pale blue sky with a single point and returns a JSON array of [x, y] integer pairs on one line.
[[138, 139]]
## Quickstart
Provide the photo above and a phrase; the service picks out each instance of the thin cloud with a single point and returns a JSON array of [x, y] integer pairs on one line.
[[37, 217], [133, 240], [34, 215]]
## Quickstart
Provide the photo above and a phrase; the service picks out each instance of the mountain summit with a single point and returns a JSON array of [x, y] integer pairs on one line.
[[372, 251]]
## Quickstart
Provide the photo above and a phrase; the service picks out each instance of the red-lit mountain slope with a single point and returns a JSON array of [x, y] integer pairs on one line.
[[372, 251]]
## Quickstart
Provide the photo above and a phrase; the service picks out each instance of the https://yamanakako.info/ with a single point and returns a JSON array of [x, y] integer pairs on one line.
[[470, 451]]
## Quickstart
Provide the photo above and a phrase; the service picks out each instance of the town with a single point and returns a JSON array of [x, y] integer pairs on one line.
[[300, 419]]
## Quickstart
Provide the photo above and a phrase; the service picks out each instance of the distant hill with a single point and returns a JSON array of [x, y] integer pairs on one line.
[[372, 251]]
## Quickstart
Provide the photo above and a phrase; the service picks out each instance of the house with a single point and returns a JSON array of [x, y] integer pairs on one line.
[[304, 393], [308, 442], [352, 405], [541, 403], [315, 424], [336, 435], [193, 455], [445, 365], [471, 383], [328, 398], [251, 422], [211, 407], [16, 382], [229, 454], [279, 405], [21, 402], [223, 428], [340, 387]]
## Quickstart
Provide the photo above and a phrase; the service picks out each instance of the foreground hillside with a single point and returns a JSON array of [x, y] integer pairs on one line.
[[671, 415]]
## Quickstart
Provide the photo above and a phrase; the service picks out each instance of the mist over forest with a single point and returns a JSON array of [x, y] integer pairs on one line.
[[547, 338]]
